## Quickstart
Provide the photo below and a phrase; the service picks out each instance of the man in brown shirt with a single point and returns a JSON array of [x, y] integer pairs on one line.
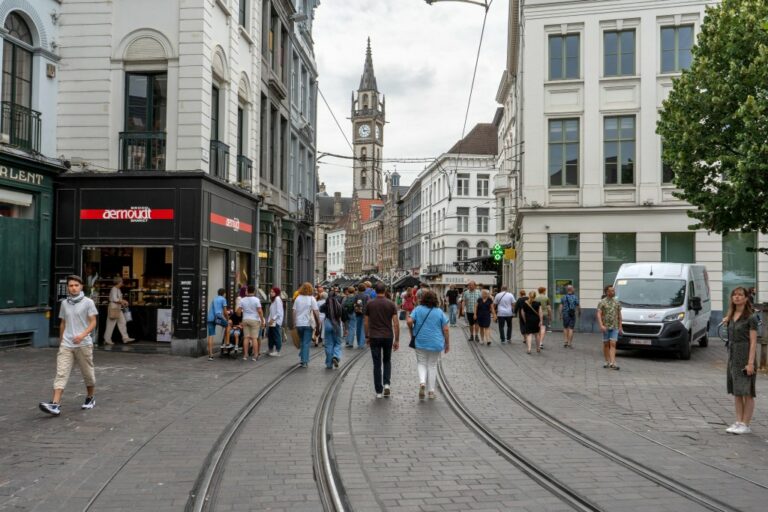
[[381, 326]]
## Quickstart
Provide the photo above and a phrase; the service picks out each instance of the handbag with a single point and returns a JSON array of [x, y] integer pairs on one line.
[[295, 337], [412, 344], [113, 311]]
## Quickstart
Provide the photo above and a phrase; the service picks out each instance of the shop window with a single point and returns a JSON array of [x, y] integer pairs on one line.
[[562, 268], [288, 260], [739, 263], [16, 205], [618, 248], [678, 247]]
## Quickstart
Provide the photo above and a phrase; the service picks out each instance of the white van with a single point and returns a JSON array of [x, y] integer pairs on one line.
[[663, 306]]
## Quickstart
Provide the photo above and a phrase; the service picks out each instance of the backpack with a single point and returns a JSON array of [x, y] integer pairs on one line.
[[333, 309], [349, 305], [359, 304]]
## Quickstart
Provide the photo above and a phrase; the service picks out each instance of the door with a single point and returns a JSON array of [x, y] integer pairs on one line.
[[217, 272], [562, 270]]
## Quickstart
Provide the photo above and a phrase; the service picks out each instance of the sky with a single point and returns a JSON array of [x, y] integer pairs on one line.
[[423, 57]]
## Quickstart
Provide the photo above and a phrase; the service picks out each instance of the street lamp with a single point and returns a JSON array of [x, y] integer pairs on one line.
[[484, 4]]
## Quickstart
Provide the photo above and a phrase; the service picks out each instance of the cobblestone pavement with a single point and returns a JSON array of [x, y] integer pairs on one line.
[[157, 418]]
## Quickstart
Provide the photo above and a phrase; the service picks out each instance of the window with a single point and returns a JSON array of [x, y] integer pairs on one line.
[[240, 130], [17, 63], [739, 265], [676, 45], [619, 150], [263, 145], [618, 248], [482, 184], [483, 249], [503, 214], [243, 13], [678, 247], [619, 53], [462, 184], [562, 268], [564, 57], [16, 205], [287, 262], [482, 220], [667, 174], [214, 113], [462, 215], [145, 102], [462, 251], [563, 152], [295, 80]]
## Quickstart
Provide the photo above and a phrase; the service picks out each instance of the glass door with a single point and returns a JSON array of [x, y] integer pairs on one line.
[[562, 270]]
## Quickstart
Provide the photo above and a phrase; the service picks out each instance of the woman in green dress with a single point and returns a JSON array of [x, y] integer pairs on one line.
[[742, 348]]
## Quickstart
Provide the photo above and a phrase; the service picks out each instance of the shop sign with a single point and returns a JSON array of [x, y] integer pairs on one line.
[[127, 213], [463, 279], [19, 176], [234, 224], [185, 296], [132, 214]]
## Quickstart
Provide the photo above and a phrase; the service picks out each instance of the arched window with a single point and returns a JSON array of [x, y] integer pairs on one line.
[[17, 83], [363, 154], [483, 249], [462, 251]]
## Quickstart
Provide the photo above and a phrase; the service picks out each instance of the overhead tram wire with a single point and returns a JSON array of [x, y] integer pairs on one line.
[[343, 133]]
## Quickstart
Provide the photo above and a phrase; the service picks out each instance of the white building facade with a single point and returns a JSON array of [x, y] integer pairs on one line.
[[458, 224], [336, 238], [594, 193]]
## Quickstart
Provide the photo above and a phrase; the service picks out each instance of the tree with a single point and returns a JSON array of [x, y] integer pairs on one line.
[[714, 123]]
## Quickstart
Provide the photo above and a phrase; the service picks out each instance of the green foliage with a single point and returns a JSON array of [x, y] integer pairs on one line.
[[715, 122]]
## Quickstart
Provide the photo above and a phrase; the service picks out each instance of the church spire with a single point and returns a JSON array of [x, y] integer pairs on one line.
[[368, 80]]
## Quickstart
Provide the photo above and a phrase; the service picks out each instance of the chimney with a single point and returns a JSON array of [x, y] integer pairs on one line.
[[337, 204]]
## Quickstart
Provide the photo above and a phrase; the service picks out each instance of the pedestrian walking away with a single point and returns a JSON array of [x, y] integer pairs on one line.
[[217, 317], [483, 314], [348, 304], [357, 322], [531, 312], [77, 315], [609, 320], [115, 314], [275, 323], [468, 301], [331, 311], [319, 334], [569, 310], [305, 310], [382, 334], [517, 309], [253, 320], [741, 378], [503, 308], [546, 313], [452, 296], [429, 328]]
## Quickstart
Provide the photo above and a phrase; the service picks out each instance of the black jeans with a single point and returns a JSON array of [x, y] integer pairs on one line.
[[381, 348], [505, 320]]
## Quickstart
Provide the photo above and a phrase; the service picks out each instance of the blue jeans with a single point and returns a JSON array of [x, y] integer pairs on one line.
[[275, 336], [305, 334], [610, 335], [332, 343], [452, 308], [356, 326]]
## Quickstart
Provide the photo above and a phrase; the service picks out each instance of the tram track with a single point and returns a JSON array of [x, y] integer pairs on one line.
[[636, 467]]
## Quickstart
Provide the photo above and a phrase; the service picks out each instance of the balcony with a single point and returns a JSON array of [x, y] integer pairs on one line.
[[306, 211], [22, 126], [244, 171], [219, 160], [142, 151]]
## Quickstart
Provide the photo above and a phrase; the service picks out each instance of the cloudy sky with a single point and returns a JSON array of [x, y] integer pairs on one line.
[[423, 57]]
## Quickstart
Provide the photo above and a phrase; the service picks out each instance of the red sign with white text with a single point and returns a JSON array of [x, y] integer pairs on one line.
[[132, 214], [234, 224]]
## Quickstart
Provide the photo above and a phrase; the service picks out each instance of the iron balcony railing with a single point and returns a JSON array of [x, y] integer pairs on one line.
[[306, 211], [244, 171], [21, 125], [219, 160], [142, 151]]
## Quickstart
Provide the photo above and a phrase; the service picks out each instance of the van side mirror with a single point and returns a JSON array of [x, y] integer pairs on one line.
[[694, 303]]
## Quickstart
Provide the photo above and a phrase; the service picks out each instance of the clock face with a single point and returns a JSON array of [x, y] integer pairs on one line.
[[378, 133], [364, 131]]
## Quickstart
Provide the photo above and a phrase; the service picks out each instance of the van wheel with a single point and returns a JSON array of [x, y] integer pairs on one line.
[[684, 352]]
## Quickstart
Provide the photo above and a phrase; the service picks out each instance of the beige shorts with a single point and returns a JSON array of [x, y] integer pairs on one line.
[[67, 357], [251, 328]]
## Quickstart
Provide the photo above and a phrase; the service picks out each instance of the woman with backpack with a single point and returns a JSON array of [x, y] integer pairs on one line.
[[331, 310], [429, 334]]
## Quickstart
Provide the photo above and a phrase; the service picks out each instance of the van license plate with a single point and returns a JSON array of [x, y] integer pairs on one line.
[[640, 341]]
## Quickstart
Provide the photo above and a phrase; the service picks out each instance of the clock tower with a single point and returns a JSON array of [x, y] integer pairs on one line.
[[368, 133]]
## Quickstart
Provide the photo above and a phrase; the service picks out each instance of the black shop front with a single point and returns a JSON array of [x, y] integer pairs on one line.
[[173, 239]]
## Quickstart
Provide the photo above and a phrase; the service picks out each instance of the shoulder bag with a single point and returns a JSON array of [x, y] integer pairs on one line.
[[412, 344]]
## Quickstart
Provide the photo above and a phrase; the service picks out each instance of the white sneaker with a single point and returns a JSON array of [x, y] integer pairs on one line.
[[742, 429], [733, 427], [379, 395]]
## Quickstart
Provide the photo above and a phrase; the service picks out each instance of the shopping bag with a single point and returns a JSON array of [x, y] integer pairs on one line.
[[295, 337], [128, 315], [113, 312]]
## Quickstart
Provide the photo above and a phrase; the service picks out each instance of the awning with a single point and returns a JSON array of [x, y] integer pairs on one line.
[[406, 281], [15, 198]]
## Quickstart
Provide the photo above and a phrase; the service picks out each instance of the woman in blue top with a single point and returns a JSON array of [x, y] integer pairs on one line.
[[429, 324]]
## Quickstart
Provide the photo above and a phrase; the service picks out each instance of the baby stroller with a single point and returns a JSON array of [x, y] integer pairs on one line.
[[230, 347]]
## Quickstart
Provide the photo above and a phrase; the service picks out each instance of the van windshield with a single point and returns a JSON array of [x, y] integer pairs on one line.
[[650, 293]]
